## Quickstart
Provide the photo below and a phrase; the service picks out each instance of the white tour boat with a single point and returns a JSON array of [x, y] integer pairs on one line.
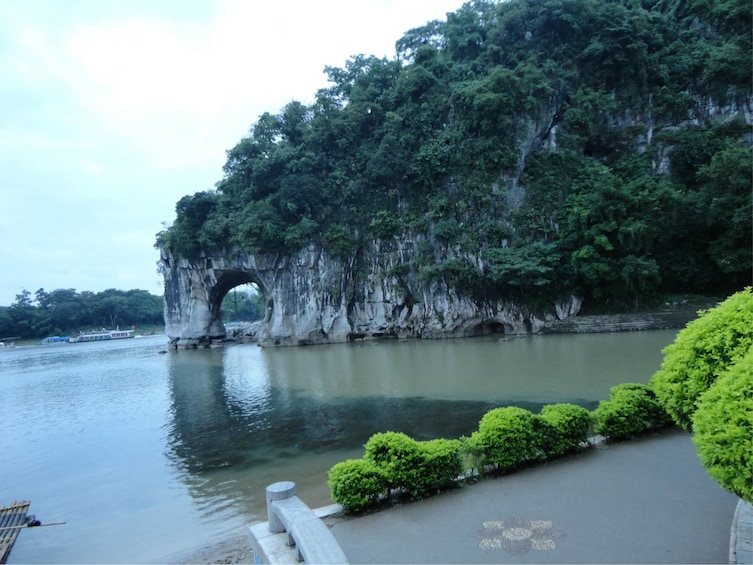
[[102, 335]]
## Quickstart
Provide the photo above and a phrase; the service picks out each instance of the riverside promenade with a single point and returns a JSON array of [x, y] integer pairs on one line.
[[645, 501]]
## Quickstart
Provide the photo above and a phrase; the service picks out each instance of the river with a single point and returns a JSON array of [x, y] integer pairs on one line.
[[144, 454]]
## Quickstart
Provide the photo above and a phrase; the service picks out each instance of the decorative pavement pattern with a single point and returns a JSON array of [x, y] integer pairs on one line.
[[518, 535]]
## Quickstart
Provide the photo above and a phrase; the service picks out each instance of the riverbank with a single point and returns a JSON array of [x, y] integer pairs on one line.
[[612, 323], [643, 501], [689, 518]]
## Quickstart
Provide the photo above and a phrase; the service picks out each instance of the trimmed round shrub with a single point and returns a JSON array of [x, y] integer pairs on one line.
[[416, 467], [443, 463], [632, 408], [723, 425], [356, 484], [546, 438], [511, 436], [704, 349], [401, 459], [573, 423]]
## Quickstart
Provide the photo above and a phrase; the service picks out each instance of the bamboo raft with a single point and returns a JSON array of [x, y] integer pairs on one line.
[[12, 519]]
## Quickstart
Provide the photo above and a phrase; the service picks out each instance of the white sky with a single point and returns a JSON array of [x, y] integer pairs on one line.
[[112, 110]]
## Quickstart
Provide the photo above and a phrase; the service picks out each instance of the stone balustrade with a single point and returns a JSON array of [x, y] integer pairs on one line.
[[293, 532]]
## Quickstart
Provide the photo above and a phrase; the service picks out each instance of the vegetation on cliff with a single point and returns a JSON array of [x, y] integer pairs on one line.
[[537, 147]]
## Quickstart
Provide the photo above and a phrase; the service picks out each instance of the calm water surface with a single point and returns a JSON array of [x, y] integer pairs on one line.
[[144, 454]]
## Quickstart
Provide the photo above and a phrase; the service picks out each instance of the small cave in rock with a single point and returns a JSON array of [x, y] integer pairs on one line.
[[488, 327]]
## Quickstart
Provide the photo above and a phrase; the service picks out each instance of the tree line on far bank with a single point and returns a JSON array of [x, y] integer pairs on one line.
[[64, 311]]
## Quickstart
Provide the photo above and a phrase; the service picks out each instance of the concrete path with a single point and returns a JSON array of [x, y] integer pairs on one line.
[[644, 501]]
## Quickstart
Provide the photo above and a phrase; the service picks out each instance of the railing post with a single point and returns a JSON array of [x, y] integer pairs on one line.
[[278, 491]]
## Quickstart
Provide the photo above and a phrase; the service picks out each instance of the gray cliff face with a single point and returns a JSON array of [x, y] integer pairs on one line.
[[313, 298]]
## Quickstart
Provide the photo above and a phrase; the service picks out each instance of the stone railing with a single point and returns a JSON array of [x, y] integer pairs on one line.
[[294, 532]]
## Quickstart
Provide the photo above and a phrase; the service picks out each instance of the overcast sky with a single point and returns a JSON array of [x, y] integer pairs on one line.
[[111, 111]]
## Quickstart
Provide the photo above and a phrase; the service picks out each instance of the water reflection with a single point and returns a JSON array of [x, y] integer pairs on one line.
[[236, 407], [236, 427]]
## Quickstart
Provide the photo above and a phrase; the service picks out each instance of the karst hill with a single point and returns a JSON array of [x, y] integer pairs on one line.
[[509, 166]]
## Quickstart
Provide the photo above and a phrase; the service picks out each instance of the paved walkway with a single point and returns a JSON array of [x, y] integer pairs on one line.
[[645, 501]]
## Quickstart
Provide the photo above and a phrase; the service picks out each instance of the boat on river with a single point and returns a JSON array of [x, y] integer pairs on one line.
[[55, 339], [101, 335]]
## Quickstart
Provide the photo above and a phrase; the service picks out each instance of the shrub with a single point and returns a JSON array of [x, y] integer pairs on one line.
[[546, 438], [416, 467], [356, 484], [511, 436], [631, 409], [723, 425], [705, 348], [400, 458], [442, 463], [571, 421]]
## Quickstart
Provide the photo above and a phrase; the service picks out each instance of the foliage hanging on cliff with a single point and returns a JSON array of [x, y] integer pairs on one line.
[[545, 147]]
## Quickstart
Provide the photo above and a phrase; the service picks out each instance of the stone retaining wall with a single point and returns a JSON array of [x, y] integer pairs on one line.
[[621, 322]]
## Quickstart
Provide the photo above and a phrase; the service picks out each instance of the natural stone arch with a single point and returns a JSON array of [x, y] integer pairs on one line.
[[194, 290], [227, 281], [313, 297]]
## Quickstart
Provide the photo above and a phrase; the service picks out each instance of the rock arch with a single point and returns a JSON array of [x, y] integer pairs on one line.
[[313, 298], [300, 297]]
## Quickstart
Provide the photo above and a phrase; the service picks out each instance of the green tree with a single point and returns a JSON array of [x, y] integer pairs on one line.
[[242, 305], [726, 202], [611, 241]]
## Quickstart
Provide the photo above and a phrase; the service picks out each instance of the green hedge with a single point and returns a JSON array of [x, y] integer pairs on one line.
[[415, 467], [705, 348], [512, 436], [507, 438], [573, 423], [395, 462], [443, 463], [632, 408], [356, 483], [399, 457], [723, 425]]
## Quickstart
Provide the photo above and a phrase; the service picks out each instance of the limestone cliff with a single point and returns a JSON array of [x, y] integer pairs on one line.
[[313, 298]]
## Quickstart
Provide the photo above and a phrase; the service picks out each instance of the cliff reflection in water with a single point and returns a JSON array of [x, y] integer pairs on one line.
[[235, 407], [237, 425]]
